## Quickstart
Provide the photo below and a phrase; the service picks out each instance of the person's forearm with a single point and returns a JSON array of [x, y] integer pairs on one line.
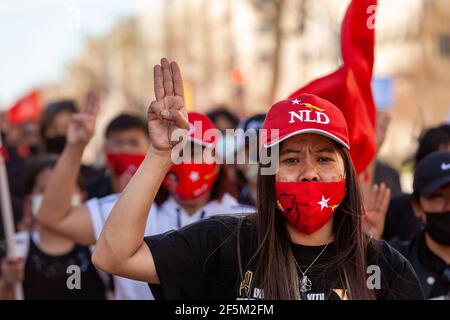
[[57, 200], [124, 229]]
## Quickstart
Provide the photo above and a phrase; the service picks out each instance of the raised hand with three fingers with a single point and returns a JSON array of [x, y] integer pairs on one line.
[[82, 126], [376, 210], [167, 115]]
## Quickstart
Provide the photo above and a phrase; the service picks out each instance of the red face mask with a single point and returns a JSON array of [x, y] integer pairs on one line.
[[193, 180], [308, 206], [123, 162]]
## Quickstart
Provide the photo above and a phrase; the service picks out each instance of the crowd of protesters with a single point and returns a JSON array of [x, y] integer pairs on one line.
[[308, 213], [61, 205]]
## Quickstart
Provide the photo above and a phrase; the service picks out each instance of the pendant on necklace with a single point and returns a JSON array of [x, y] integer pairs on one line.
[[305, 284]]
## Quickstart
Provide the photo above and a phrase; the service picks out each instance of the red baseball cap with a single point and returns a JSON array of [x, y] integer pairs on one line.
[[305, 113], [202, 130]]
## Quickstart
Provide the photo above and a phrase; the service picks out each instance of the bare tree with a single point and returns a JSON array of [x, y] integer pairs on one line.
[[272, 14]]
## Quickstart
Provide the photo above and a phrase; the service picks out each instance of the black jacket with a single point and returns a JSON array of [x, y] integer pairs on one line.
[[428, 267]]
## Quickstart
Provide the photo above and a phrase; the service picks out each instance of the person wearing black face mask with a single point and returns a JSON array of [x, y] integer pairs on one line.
[[55, 122], [429, 251], [401, 222], [54, 125]]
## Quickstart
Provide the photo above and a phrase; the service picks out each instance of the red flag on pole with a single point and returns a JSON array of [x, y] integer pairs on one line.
[[28, 108], [349, 88]]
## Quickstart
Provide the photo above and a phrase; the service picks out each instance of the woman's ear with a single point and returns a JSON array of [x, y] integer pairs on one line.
[[418, 211]]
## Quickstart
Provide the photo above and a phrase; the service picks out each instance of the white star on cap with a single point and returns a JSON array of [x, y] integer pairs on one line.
[[323, 203], [194, 176], [296, 101]]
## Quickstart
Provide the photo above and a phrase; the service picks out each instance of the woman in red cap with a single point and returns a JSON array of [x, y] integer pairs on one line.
[[306, 240]]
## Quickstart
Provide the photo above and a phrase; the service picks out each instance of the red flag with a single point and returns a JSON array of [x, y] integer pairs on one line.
[[349, 88], [28, 108]]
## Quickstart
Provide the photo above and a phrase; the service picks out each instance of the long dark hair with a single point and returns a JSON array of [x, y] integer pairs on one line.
[[276, 271]]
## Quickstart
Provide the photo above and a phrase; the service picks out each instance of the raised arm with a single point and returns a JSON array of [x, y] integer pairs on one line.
[[120, 249], [56, 211]]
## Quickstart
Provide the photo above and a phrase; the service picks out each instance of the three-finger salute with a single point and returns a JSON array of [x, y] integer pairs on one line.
[[167, 113]]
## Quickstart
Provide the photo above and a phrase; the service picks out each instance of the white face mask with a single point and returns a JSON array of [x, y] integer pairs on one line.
[[36, 202]]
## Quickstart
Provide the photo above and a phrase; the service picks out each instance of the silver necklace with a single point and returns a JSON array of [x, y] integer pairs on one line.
[[305, 282]]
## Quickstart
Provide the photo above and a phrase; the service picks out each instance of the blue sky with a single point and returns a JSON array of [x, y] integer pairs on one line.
[[38, 37]]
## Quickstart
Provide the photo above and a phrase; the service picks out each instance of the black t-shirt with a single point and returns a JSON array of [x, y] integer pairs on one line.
[[203, 261], [46, 276]]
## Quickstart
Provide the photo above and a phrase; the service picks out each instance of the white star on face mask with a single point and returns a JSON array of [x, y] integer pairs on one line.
[[323, 203], [194, 176]]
